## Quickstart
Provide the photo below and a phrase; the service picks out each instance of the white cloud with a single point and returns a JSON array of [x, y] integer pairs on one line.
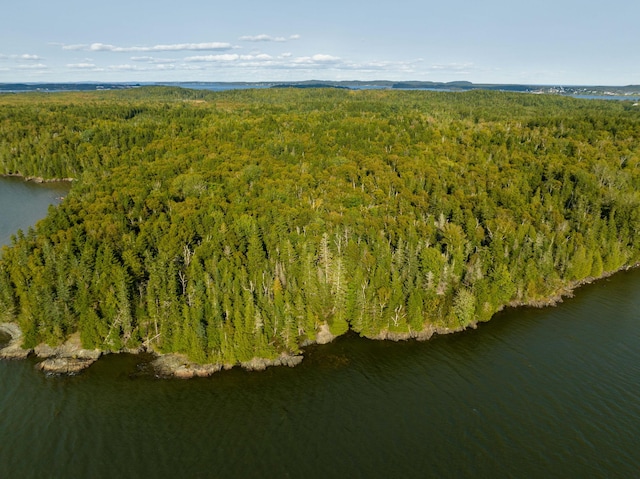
[[225, 57], [191, 67], [229, 57], [28, 57], [126, 67], [141, 68], [70, 47], [462, 68], [175, 47], [24, 57], [268, 38], [287, 61], [324, 58], [260, 56], [154, 60], [81, 66], [216, 59], [317, 58], [33, 66]]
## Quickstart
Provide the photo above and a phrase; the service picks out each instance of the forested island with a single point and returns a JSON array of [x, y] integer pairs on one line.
[[237, 227]]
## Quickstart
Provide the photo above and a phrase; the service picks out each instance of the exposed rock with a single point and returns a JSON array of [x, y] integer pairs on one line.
[[64, 365], [71, 348], [139, 350], [291, 361], [37, 179], [44, 351], [422, 335], [325, 335], [68, 358], [12, 329], [13, 350], [568, 290], [179, 366], [256, 364], [260, 364], [71, 358]]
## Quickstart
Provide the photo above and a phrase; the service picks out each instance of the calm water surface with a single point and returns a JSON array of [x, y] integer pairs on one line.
[[23, 203], [533, 393]]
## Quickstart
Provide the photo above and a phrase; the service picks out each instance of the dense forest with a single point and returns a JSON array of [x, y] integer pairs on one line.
[[239, 224]]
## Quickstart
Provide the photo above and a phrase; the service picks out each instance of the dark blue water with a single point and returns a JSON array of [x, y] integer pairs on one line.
[[533, 393]]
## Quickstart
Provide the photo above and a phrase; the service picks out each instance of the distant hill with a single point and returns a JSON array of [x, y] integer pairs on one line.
[[45, 87], [597, 90], [309, 85]]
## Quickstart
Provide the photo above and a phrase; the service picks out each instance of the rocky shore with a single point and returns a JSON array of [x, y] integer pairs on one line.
[[13, 350], [176, 365], [68, 358], [568, 290], [38, 179], [179, 366], [423, 335], [71, 358]]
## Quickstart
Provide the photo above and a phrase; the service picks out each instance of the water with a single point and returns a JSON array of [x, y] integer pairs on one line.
[[224, 86], [607, 97], [23, 203], [533, 393]]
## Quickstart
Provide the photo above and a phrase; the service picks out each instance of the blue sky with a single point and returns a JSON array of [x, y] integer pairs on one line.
[[493, 41]]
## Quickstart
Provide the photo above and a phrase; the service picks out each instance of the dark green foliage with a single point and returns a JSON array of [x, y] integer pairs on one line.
[[236, 224]]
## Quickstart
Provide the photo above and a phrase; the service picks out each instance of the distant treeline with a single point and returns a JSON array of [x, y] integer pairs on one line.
[[238, 224], [630, 90]]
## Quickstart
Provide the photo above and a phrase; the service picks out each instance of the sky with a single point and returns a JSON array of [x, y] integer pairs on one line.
[[547, 42]]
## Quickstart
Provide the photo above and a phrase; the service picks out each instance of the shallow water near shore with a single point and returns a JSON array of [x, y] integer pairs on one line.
[[549, 392]]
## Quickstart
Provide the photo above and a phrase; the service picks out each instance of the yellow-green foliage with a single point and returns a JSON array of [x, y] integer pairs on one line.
[[235, 224]]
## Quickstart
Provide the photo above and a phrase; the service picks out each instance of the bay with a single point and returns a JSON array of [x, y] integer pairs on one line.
[[533, 393], [23, 203]]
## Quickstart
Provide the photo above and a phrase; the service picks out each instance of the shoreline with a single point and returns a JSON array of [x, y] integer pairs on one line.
[[70, 358], [37, 179], [568, 290]]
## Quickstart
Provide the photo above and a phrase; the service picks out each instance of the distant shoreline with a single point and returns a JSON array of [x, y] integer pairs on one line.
[[621, 92]]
